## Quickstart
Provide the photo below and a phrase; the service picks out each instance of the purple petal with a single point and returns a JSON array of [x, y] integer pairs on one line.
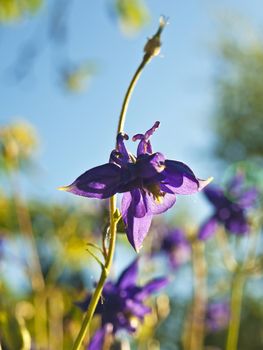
[[166, 188], [180, 255], [216, 196], [121, 149], [217, 316], [148, 166], [100, 182], [98, 338], [208, 229], [152, 287], [137, 203], [124, 323], [180, 178], [237, 223], [137, 227], [129, 276], [162, 204], [152, 130], [137, 308], [248, 198], [173, 238], [236, 184], [145, 146]]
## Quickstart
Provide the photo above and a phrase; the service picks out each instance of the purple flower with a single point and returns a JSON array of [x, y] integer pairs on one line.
[[217, 316], [98, 340], [177, 247], [123, 302], [149, 182], [229, 207]]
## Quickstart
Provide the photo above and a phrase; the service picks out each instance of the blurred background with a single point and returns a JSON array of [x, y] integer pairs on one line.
[[65, 66]]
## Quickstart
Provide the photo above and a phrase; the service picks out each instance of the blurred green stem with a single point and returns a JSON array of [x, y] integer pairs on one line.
[[113, 221], [25, 226], [34, 266], [235, 311], [127, 97], [194, 340], [56, 308], [228, 256]]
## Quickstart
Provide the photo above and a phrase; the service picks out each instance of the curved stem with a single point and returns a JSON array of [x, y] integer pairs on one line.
[[113, 220], [131, 87], [235, 312], [104, 274]]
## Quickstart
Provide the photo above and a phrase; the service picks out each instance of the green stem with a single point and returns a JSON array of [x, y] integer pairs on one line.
[[196, 337], [235, 312], [131, 87], [113, 220], [26, 229], [34, 266], [228, 256]]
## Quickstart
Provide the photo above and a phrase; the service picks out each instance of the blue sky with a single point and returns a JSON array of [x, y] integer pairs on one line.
[[78, 131]]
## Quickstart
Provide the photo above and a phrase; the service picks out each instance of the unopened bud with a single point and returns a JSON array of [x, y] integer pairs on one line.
[[153, 45]]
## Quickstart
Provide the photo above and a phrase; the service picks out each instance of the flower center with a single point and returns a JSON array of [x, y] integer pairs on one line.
[[156, 192]]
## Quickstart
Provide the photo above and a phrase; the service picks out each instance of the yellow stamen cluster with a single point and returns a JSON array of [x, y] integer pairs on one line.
[[155, 190]]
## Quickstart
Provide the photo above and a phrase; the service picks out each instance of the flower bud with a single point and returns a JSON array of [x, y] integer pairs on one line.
[[153, 45]]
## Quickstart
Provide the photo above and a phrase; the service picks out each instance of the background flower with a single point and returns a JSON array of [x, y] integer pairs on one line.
[[177, 247], [123, 301], [230, 207]]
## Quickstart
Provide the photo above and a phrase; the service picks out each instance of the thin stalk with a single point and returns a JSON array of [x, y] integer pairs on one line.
[[131, 87], [254, 236], [25, 225], [235, 312], [113, 221], [196, 336], [56, 308], [33, 267], [228, 256]]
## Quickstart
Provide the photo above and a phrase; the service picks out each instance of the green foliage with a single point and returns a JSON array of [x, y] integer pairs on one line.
[[239, 112], [13, 10], [18, 143], [77, 79], [133, 14]]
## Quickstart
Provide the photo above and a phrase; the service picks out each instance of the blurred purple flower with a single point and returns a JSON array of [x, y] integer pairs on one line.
[[149, 182], [229, 207], [123, 302], [217, 316], [177, 247], [98, 340]]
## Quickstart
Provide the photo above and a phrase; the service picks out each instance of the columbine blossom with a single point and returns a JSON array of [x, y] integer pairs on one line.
[[217, 316], [123, 303], [177, 247], [149, 181], [229, 207]]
